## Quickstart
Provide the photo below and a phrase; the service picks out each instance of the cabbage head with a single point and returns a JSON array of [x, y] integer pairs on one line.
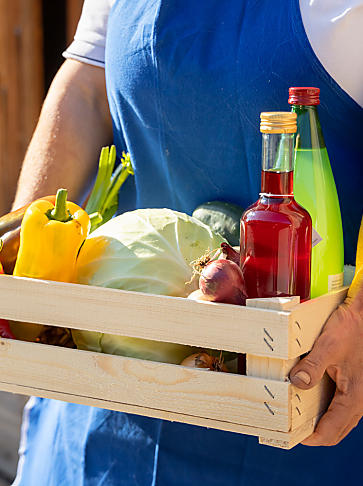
[[146, 250]]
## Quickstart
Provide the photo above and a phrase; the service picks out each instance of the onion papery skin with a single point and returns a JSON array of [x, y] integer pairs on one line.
[[205, 361], [222, 281], [229, 253]]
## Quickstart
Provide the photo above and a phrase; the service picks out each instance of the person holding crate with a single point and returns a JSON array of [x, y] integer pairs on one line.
[[186, 82]]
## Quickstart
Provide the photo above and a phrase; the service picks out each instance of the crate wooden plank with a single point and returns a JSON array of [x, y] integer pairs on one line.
[[291, 439], [310, 403], [302, 405], [307, 319], [160, 390], [272, 368], [170, 388], [305, 324], [284, 440], [269, 333], [162, 318], [280, 414], [274, 303]]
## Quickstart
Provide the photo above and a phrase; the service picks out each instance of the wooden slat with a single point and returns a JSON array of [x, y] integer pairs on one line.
[[284, 440], [305, 324], [198, 397], [272, 368], [21, 87], [274, 303], [306, 320], [302, 405], [310, 403], [245, 404], [145, 385], [169, 319], [291, 439]]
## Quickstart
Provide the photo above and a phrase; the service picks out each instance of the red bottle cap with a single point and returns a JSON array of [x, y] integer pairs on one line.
[[304, 96]]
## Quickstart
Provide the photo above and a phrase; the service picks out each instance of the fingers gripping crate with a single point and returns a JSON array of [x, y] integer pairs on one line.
[[272, 332]]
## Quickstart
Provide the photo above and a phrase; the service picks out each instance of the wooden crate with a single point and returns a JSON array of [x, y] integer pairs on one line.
[[272, 332]]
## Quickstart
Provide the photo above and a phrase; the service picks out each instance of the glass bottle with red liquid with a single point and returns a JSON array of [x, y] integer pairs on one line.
[[276, 230]]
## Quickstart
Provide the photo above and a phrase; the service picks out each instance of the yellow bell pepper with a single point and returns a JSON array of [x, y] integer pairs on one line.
[[358, 275], [50, 238]]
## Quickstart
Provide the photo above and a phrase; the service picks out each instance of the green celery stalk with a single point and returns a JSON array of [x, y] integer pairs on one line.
[[103, 201]]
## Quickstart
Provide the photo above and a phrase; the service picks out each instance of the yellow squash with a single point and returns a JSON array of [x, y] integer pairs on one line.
[[50, 238]]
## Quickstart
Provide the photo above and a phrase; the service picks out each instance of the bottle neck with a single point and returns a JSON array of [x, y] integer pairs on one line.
[[277, 164], [309, 134]]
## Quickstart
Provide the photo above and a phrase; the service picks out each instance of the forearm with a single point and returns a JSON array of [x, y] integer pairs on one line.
[[73, 126]]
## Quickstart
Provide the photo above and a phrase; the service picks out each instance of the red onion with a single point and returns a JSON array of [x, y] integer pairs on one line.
[[229, 253], [222, 281]]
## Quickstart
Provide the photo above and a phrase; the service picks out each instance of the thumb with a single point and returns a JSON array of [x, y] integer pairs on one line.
[[310, 370]]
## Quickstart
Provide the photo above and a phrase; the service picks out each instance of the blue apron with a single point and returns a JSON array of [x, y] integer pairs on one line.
[[186, 82]]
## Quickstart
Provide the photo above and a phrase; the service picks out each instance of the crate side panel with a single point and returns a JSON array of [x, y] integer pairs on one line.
[[274, 303], [307, 320], [171, 388], [161, 318], [291, 439], [272, 368], [306, 404], [274, 438], [284, 440]]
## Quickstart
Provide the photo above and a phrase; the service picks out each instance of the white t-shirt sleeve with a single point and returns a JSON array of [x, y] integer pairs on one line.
[[335, 32], [90, 38]]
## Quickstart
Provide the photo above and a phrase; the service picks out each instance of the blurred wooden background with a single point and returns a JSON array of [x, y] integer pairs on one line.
[[33, 35]]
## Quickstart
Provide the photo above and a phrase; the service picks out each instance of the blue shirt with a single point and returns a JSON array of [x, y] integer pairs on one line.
[[186, 82]]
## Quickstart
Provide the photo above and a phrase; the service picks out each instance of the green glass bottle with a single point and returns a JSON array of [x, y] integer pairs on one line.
[[315, 190]]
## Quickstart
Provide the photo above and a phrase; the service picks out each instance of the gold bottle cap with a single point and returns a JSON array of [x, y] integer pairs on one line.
[[278, 122]]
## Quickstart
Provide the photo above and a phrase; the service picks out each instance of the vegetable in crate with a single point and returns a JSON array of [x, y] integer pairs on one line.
[[206, 361], [101, 205], [5, 330], [10, 235], [50, 238], [222, 217], [222, 281], [230, 253], [103, 201], [147, 250], [221, 278]]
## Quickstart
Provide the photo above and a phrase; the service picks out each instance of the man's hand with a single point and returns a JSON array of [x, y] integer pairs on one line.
[[339, 352]]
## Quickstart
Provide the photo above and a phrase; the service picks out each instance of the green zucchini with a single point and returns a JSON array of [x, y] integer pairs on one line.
[[222, 217]]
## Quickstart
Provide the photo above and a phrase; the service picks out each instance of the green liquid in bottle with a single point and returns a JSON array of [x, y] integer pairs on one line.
[[315, 190]]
